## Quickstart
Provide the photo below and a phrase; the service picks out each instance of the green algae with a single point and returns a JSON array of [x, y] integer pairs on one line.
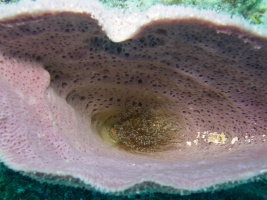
[[253, 11], [13, 185]]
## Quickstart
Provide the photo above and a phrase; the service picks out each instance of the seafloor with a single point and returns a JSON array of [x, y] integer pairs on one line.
[[14, 186]]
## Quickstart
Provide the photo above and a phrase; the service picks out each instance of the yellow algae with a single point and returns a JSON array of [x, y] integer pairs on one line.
[[196, 141], [188, 143], [216, 138], [234, 140]]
